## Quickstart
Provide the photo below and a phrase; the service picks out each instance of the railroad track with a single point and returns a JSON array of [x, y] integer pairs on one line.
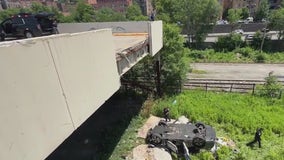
[[226, 85]]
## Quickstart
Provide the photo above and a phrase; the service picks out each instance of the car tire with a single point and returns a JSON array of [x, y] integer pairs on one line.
[[198, 142], [28, 34], [155, 139]]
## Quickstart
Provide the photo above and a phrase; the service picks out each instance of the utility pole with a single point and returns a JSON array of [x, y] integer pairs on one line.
[[158, 72], [263, 38]]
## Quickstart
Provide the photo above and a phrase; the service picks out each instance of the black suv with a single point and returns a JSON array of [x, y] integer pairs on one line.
[[26, 25]]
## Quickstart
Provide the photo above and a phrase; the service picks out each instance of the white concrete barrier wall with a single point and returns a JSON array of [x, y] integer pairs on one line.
[[156, 36], [117, 27], [87, 67], [49, 87]]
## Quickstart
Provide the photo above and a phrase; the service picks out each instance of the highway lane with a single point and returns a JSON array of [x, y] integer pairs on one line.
[[213, 37], [237, 71]]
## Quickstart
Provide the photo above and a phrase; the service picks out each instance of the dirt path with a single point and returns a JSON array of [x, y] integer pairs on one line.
[[237, 71]]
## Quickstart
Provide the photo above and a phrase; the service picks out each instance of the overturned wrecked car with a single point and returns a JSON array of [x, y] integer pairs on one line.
[[182, 139]]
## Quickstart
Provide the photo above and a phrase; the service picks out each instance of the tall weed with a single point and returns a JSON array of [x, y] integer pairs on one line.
[[233, 115]]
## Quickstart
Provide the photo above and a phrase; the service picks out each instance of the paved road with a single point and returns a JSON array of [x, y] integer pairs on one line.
[[214, 37], [237, 71]]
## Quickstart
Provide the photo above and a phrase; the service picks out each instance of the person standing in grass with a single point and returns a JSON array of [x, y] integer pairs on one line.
[[257, 138]]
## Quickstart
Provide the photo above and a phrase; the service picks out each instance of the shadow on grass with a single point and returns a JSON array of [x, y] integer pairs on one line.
[[97, 137]]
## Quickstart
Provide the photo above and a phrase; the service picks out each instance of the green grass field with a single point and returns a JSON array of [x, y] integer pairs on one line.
[[234, 116]]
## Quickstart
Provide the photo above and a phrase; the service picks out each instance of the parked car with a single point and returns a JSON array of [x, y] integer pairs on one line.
[[26, 25], [239, 31], [220, 22], [249, 37], [265, 30]]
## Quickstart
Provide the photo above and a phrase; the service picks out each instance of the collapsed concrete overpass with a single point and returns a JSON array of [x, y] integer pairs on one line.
[[51, 85]]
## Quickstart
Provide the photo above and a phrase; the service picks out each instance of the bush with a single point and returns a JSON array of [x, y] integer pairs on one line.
[[257, 41], [245, 52], [260, 58], [229, 42], [272, 88], [240, 55]]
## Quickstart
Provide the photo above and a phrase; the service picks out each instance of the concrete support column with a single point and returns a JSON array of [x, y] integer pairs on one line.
[[158, 78]]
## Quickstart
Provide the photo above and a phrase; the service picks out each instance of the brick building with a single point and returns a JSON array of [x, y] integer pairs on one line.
[[116, 5], [250, 4], [146, 6]]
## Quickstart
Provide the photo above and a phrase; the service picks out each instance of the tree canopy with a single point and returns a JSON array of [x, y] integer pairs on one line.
[[174, 65], [234, 15], [108, 15], [277, 22], [195, 17], [134, 13], [84, 12], [262, 11]]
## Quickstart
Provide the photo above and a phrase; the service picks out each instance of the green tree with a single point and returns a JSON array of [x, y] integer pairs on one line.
[[38, 7], [134, 13], [196, 17], [108, 15], [83, 12], [245, 13], [167, 10], [59, 16], [234, 15], [271, 88], [173, 60], [261, 39], [229, 42], [277, 22], [262, 11], [8, 13]]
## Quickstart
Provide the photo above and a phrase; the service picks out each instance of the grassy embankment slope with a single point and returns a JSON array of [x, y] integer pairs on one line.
[[234, 116]]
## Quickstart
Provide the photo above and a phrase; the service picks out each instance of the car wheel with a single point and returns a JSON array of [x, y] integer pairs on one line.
[[156, 139], [198, 142], [28, 34], [200, 125]]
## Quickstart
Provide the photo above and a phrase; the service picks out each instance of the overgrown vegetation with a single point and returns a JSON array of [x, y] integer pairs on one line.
[[173, 63], [272, 88], [239, 55], [229, 42], [234, 116]]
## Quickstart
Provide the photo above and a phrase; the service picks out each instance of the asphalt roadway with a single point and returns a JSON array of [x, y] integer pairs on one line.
[[236, 71]]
